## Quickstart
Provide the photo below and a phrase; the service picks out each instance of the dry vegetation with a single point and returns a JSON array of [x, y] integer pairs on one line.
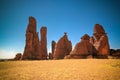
[[73, 69]]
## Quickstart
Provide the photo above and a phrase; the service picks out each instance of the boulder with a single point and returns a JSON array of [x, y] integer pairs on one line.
[[18, 56]]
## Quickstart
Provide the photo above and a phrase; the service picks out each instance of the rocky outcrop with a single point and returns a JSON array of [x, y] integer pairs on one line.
[[35, 49], [62, 48], [43, 42], [100, 42], [83, 49], [18, 56]]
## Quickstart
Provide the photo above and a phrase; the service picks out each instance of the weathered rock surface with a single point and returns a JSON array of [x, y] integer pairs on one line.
[[18, 56], [100, 42], [83, 49], [35, 49], [62, 48]]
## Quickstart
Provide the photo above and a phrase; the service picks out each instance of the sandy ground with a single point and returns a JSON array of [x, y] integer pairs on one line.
[[72, 69]]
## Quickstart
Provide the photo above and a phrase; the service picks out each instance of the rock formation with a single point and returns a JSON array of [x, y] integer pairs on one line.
[[18, 56], [35, 49], [97, 46], [83, 49], [43, 42], [62, 48], [100, 42], [50, 56], [115, 53], [53, 48]]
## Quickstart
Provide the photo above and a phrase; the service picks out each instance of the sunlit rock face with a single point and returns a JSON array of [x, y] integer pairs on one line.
[[83, 49], [62, 48], [100, 42], [18, 56], [34, 48]]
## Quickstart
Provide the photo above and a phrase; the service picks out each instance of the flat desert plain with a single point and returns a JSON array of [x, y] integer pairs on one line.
[[67, 69]]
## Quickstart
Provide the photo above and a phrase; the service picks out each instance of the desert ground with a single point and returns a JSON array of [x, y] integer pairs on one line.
[[68, 69]]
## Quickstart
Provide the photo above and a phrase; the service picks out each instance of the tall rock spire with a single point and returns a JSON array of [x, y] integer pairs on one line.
[[43, 41], [32, 46]]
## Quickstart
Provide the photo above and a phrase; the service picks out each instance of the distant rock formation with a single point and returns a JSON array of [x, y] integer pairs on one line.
[[83, 49], [18, 56], [62, 48], [100, 42], [35, 49], [53, 48], [115, 53]]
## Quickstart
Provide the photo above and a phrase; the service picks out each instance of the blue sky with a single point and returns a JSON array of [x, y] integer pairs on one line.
[[76, 17]]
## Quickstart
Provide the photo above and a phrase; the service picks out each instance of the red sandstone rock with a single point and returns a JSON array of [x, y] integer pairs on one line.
[[100, 42], [18, 56], [62, 48]]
